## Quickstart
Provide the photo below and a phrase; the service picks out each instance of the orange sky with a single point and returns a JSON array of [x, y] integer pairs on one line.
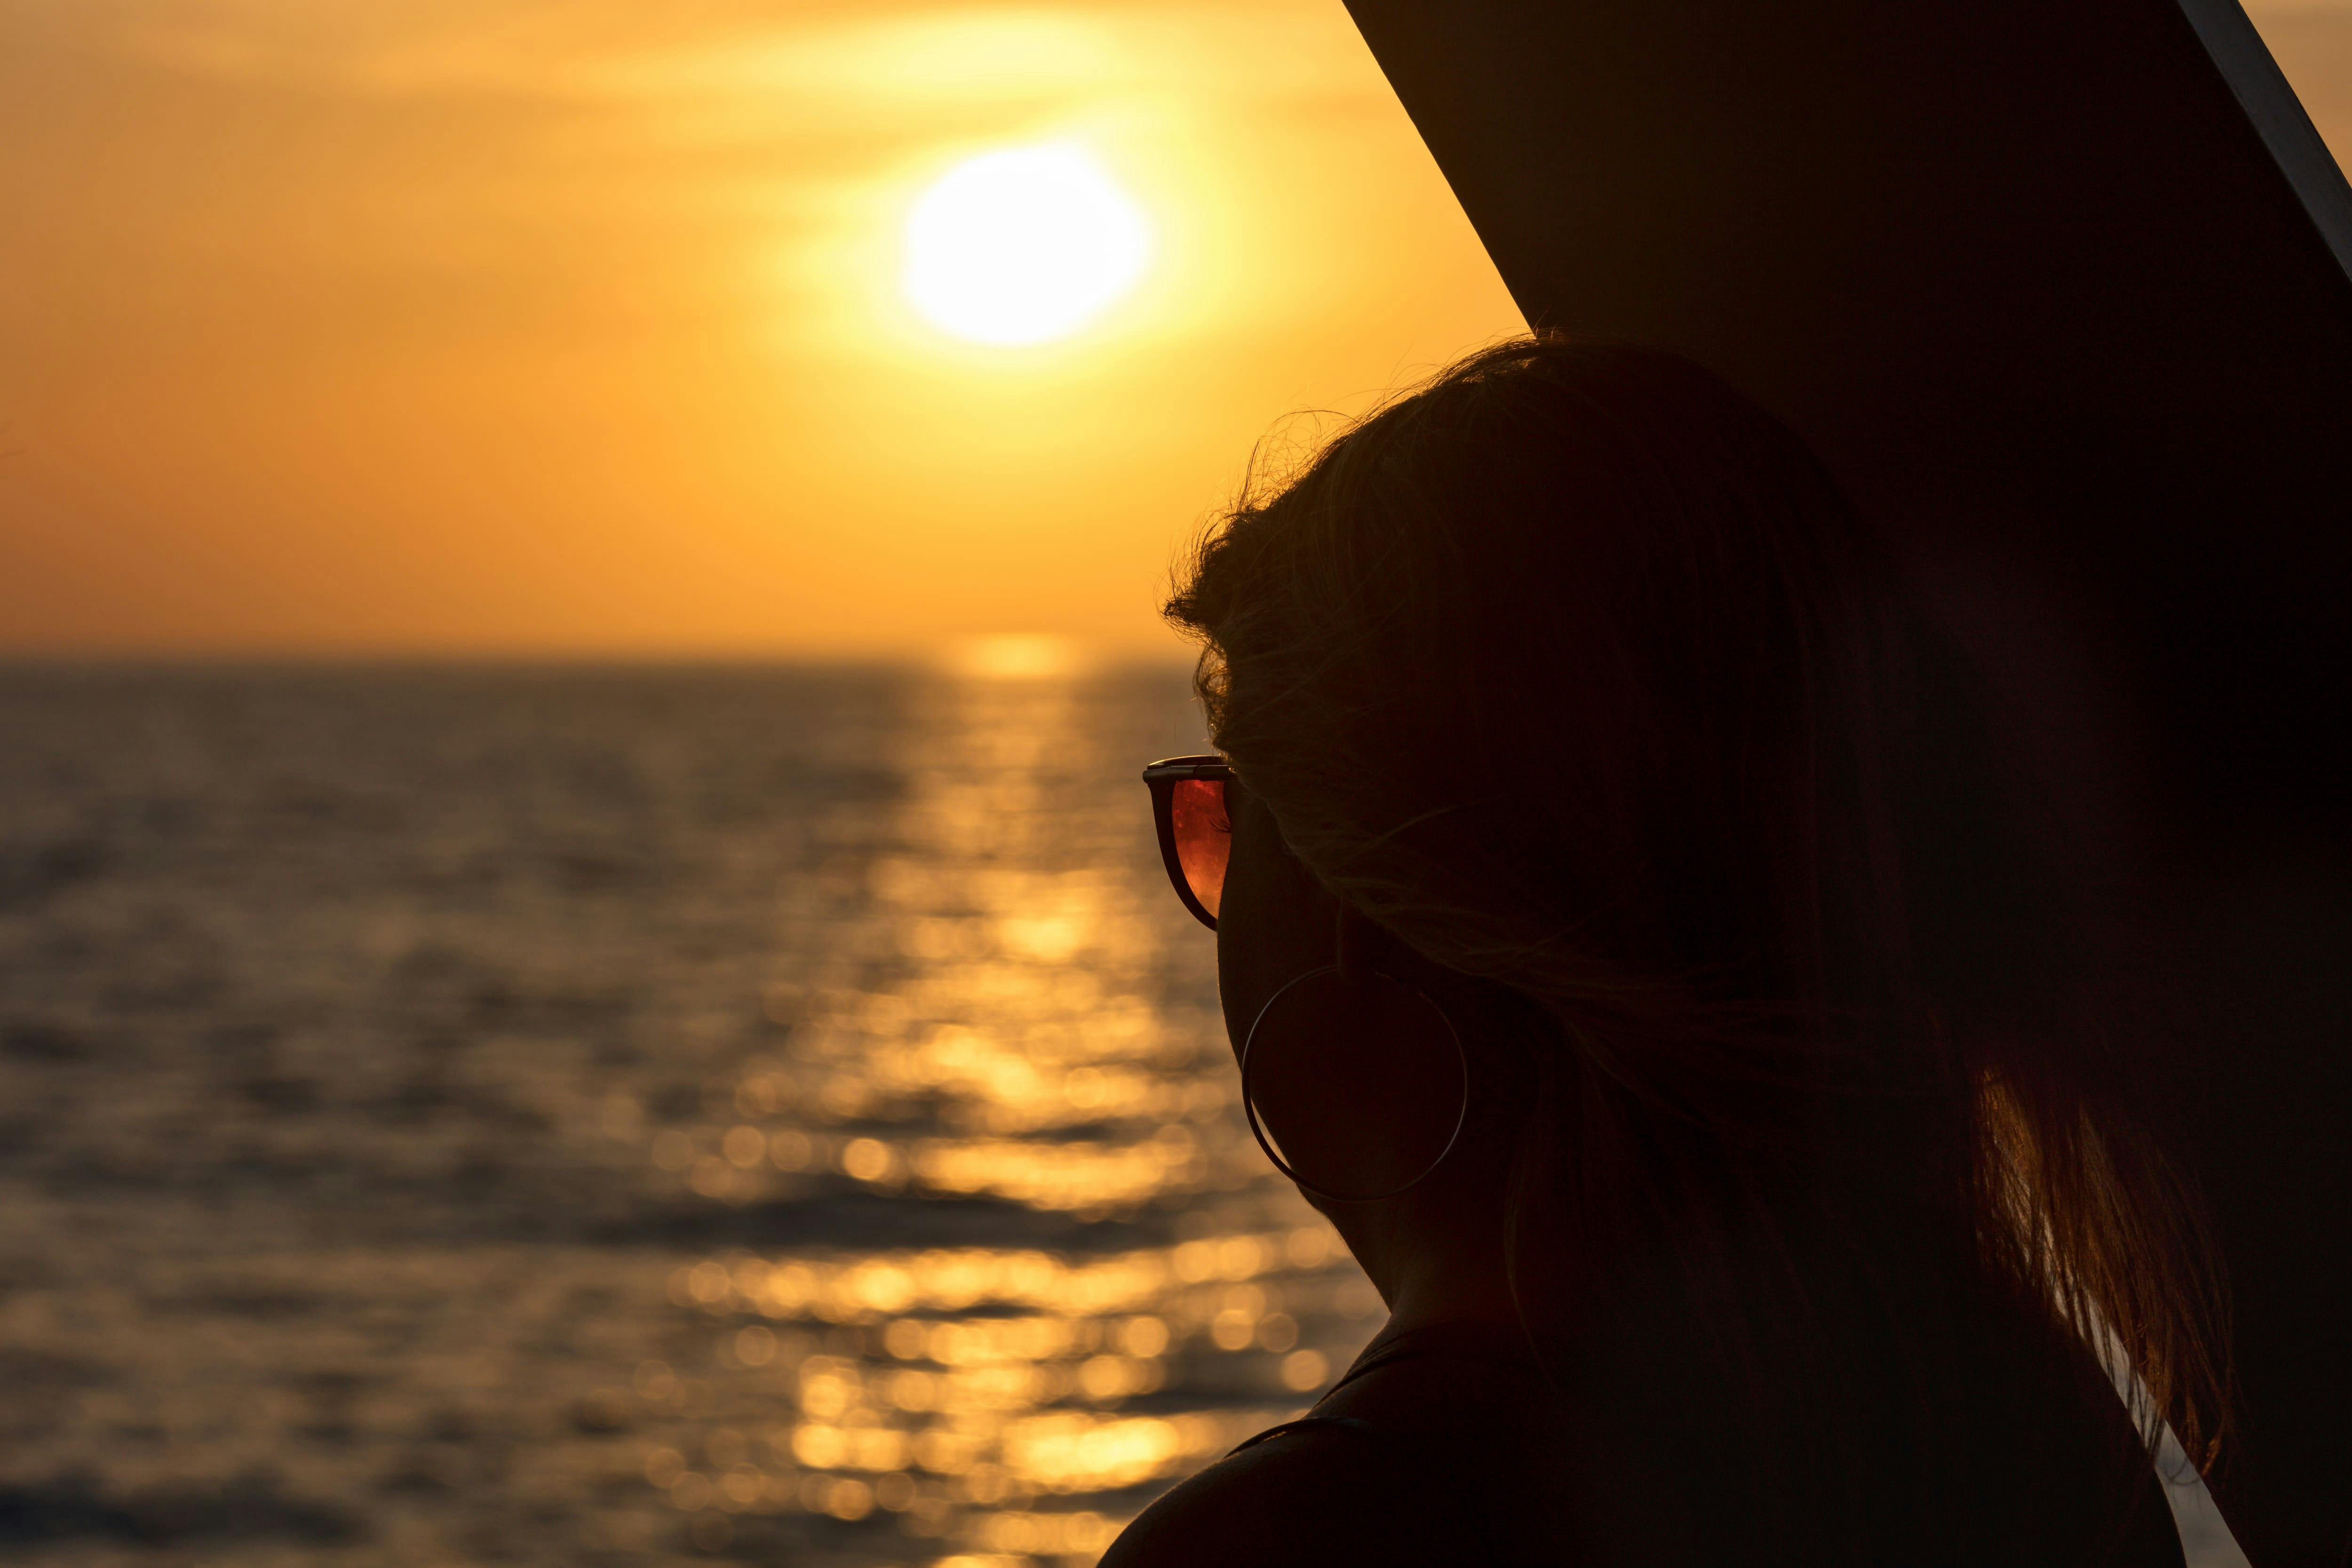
[[573, 326]]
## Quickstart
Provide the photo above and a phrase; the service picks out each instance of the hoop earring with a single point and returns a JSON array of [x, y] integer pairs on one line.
[[1352, 993]]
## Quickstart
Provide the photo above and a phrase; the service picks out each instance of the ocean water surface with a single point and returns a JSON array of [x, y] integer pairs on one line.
[[607, 1116], [615, 1117]]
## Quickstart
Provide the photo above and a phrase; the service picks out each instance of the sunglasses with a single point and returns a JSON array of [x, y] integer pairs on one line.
[[1190, 808]]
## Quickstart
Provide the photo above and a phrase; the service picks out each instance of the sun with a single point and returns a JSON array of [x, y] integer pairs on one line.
[[1023, 245]]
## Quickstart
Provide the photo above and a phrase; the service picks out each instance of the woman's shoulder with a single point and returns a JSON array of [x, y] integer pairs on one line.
[[1434, 1447], [1323, 1490]]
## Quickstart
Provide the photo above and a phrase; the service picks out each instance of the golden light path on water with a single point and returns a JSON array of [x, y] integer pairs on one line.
[[987, 1022], [616, 1118]]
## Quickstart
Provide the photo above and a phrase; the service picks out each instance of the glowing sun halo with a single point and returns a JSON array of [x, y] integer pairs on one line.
[[1023, 245]]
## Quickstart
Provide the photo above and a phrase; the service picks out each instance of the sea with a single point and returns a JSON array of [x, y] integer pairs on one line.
[[622, 1116]]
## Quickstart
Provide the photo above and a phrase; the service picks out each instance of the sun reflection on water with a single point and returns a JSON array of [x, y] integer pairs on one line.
[[609, 1116], [999, 1007]]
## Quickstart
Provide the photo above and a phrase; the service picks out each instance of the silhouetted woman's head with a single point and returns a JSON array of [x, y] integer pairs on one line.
[[1564, 669], [1572, 671]]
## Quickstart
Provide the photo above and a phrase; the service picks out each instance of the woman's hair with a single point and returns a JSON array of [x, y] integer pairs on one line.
[[1575, 671]]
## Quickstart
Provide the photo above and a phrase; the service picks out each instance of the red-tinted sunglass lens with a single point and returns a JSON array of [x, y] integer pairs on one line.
[[1204, 837]]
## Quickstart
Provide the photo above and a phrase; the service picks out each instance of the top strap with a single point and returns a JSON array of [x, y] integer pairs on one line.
[[1283, 1429]]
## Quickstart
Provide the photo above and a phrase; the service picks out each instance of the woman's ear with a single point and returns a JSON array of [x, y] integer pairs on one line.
[[1358, 1082], [1275, 921]]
